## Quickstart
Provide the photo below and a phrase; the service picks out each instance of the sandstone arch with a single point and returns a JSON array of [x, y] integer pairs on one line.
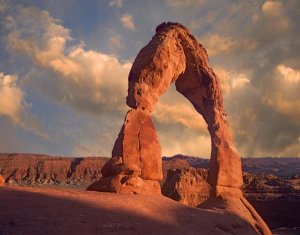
[[173, 55]]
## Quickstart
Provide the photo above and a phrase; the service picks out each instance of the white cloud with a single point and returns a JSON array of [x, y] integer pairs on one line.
[[231, 80], [85, 79], [127, 21], [185, 115], [288, 74], [274, 15], [285, 96], [272, 7], [185, 143], [116, 3], [184, 3], [14, 107], [216, 44], [11, 103], [115, 42]]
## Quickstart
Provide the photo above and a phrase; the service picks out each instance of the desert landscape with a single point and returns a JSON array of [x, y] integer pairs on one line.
[[49, 183], [149, 117]]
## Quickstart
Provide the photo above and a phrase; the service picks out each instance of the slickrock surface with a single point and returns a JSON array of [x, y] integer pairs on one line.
[[276, 199], [27, 210]]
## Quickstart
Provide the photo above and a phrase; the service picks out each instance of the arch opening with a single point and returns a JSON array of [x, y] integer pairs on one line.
[[180, 128]]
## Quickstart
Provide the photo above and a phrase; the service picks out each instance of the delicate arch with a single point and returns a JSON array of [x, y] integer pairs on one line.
[[174, 55]]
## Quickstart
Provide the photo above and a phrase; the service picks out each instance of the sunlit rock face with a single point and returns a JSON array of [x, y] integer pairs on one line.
[[1, 181], [188, 186], [173, 55]]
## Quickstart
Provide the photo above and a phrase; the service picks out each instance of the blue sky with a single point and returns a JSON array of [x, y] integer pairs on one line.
[[64, 68]]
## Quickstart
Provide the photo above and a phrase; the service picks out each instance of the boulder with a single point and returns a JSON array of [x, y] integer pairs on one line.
[[126, 184], [188, 186]]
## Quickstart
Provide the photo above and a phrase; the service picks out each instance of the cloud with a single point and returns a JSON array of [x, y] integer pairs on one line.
[[116, 3], [185, 3], [174, 140], [115, 42], [127, 21], [186, 116], [87, 80], [272, 7], [14, 107], [285, 96], [231, 80], [262, 126], [217, 44], [11, 102], [288, 74]]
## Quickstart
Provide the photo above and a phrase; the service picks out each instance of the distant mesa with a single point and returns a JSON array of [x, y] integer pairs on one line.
[[174, 55]]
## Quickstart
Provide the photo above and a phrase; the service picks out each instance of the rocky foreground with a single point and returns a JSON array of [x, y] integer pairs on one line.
[[275, 197], [32, 210]]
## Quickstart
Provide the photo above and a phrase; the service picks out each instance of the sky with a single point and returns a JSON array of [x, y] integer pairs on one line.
[[64, 66]]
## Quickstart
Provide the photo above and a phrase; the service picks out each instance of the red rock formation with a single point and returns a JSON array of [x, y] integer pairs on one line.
[[173, 163], [188, 186], [34, 168], [2, 181], [174, 55]]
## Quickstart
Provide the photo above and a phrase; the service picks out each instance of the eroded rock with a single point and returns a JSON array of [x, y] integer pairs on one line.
[[188, 186], [174, 55], [2, 181]]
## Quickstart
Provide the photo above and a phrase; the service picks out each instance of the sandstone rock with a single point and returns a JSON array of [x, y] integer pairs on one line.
[[240, 207], [2, 181], [173, 163], [268, 183], [174, 55], [136, 153], [35, 168], [188, 186], [126, 184], [137, 147]]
